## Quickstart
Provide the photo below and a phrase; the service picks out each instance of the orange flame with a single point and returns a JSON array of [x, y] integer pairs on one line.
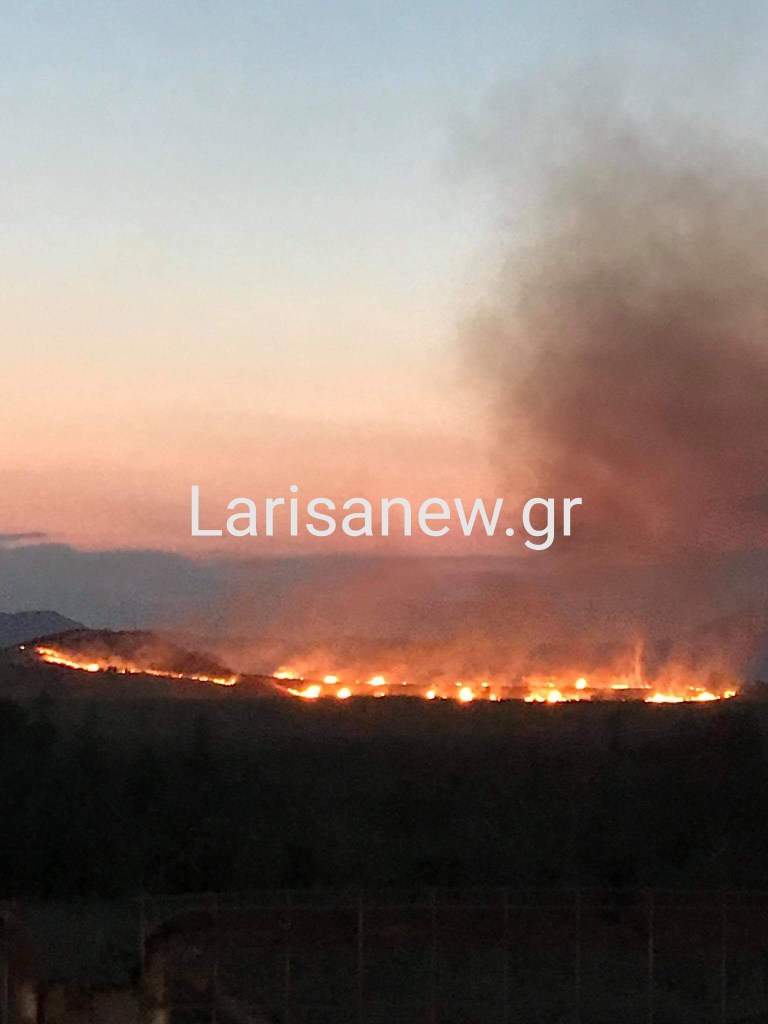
[[533, 690], [311, 692], [54, 657]]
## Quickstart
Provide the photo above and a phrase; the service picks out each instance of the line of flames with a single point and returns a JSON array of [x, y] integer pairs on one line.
[[539, 691], [55, 657]]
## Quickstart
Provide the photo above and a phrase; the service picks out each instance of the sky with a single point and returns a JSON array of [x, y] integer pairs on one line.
[[238, 238]]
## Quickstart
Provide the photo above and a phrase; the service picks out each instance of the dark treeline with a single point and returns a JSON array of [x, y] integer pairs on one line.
[[117, 798]]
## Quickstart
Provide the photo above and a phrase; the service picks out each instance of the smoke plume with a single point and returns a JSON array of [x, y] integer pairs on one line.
[[624, 351], [622, 356]]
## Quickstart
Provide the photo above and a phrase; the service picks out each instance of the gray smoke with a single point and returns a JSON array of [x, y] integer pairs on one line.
[[624, 350]]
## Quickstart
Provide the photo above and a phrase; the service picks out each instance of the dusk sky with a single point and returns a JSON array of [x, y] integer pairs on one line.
[[399, 349], [239, 237]]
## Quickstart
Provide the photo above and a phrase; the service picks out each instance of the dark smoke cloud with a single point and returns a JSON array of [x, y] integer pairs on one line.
[[624, 353]]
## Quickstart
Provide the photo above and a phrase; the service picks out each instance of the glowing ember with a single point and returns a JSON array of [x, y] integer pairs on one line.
[[287, 673], [311, 692], [565, 688], [54, 657]]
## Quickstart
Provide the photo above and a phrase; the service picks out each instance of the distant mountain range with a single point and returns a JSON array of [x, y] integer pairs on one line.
[[18, 627]]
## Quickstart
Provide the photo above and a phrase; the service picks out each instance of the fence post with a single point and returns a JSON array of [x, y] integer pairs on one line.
[[360, 956], [577, 959], [6, 953], [505, 954], [142, 959], [433, 957], [724, 957], [142, 932], [651, 957], [287, 961], [216, 955]]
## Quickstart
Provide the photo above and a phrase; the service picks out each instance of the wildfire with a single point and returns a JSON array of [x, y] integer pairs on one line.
[[55, 657], [532, 690], [311, 692]]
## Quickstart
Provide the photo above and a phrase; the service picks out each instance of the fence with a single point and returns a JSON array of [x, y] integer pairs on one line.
[[461, 957], [435, 956]]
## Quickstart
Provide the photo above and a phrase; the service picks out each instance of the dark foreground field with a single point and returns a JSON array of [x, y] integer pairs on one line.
[[117, 798], [394, 860], [404, 956]]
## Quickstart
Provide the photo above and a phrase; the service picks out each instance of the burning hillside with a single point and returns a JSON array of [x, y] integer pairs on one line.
[[468, 669], [620, 355], [143, 654], [532, 691], [127, 653], [538, 689]]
